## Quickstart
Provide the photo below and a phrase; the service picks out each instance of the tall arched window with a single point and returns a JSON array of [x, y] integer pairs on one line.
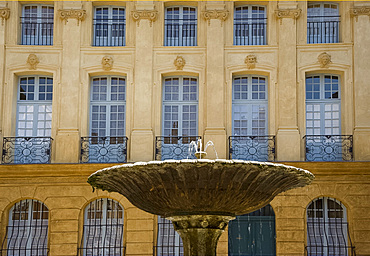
[[107, 142], [169, 242], [179, 118], [324, 141], [103, 229], [327, 228], [27, 230], [253, 233], [249, 140]]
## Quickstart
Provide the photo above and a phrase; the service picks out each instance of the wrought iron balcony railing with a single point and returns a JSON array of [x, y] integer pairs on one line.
[[323, 29], [174, 147], [37, 30], [103, 150], [26, 150], [339, 242], [329, 147], [109, 32], [250, 31], [253, 148], [180, 32]]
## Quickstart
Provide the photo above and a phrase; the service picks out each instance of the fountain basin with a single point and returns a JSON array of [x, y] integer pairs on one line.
[[200, 187]]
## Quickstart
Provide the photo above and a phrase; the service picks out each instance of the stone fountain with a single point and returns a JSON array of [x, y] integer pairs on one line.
[[200, 196]]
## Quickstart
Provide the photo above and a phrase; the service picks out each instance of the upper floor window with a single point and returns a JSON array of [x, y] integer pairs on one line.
[[324, 141], [37, 23], [109, 26], [249, 140], [327, 228], [27, 230], [180, 116], [103, 228], [180, 26], [250, 25], [107, 141], [322, 23]]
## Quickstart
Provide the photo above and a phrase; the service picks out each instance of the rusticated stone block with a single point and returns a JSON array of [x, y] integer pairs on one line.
[[139, 236], [360, 213], [136, 213], [289, 212], [140, 225], [290, 248], [64, 238], [63, 225], [65, 202], [140, 249], [290, 235], [290, 224], [63, 249], [65, 214]]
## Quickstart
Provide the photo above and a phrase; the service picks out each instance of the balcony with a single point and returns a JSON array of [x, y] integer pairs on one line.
[[37, 30], [109, 32], [103, 150], [250, 31], [252, 148], [329, 147], [26, 150], [174, 147], [323, 29]]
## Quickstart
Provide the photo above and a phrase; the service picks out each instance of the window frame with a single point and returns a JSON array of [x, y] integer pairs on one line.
[[250, 22], [104, 212], [108, 103], [180, 104], [108, 40], [39, 21], [249, 102], [32, 225], [179, 39], [323, 19], [36, 103], [322, 101]]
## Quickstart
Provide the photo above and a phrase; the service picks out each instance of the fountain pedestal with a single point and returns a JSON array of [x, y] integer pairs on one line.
[[200, 233]]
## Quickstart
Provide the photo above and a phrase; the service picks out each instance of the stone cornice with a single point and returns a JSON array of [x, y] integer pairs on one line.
[[361, 10], [77, 14], [288, 13], [4, 14], [215, 14], [150, 15]]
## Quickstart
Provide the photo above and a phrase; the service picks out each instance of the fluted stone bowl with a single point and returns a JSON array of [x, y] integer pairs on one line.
[[199, 187]]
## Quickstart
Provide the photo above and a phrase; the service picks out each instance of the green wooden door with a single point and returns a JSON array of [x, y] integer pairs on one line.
[[253, 234]]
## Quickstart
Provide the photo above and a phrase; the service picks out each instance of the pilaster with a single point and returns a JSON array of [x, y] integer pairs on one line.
[[215, 16], [361, 55], [4, 15], [288, 137], [68, 134]]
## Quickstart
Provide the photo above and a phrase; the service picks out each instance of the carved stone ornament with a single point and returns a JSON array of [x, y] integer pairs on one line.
[[107, 63], [288, 13], [179, 62], [357, 11], [4, 14], [215, 14], [32, 61], [324, 60], [77, 14], [251, 61], [150, 15]]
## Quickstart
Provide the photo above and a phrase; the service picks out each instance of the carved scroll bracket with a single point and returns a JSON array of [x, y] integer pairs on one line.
[[150, 15], [4, 14], [215, 14], [288, 13], [77, 14], [357, 11]]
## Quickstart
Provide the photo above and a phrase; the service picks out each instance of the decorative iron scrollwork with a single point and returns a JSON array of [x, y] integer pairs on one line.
[[254, 148]]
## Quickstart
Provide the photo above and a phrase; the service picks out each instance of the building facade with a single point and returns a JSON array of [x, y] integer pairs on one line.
[[86, 84]]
